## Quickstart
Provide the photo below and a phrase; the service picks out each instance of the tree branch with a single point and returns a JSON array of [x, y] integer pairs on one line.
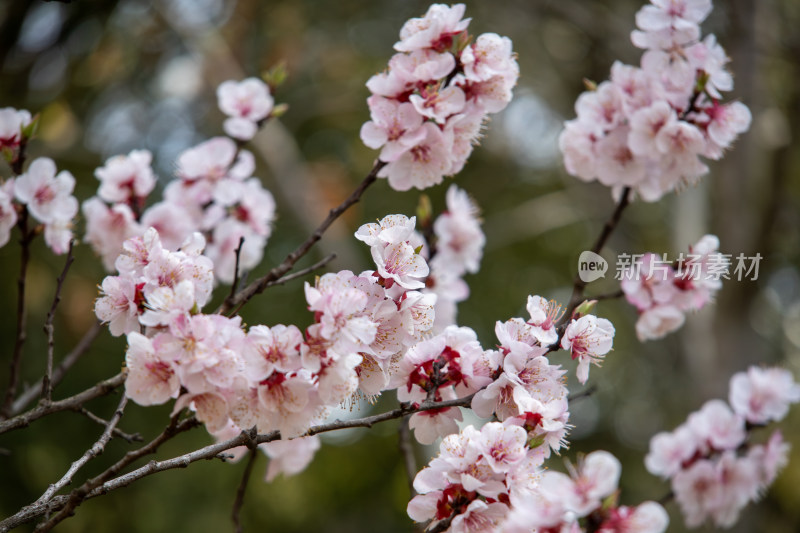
[[579, 285], [235, 284], [135, 437], [103, 483], [258, 286], [96, 449], [25, 255], [239, 501], [70, 359], [101, 389], [47, 385]]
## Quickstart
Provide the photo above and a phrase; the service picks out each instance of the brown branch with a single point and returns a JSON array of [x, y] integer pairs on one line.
[[235, 284], [258, 286], [442, 525], [239, 501], [135, 437], [293, 275], [47, 385], [95, 450], [585, 393], [579, 285], [406, 445], [608, 295], [103, 483], [70, 359], [25, 255], [100, 389]]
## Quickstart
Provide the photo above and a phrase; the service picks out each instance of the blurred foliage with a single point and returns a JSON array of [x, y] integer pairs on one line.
[[112, 76]]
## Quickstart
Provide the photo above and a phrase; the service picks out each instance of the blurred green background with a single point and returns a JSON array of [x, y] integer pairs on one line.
[[109, 77]]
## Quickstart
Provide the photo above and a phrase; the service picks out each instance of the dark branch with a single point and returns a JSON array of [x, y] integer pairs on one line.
[[47, 384], [259, 285], [239, 501], [235, 284]]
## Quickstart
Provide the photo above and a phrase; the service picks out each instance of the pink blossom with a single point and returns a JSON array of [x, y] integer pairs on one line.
[[479, 517], [124, 178], [391, 229], [289, 457], [697, 491], [12, 121], [715, 425], [151, 378], [120, 304], [438, 103], [435, 30], [658, 321], [648, 517], [460, 240], [490, 55], [502, 446], [401, 264], [246, 103], [48, 196], [669, 451], [210, 408], [174, 222], [8, 215], [762, 395], [432, 424], [423, 165], [589, 339], [396, 127], [108, 227]]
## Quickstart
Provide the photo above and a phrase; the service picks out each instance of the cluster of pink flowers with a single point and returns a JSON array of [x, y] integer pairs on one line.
[[663, 293], [214, 194], [427, 109], [41, 189], [458, 242], [714, 469], [646, 127], [48, 198], [246, 103], [493, 480]]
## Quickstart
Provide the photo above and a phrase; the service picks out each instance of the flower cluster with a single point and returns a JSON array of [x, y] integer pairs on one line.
[[214, 194], [48, 197], [714, 470], [458, 243], [41, 189], [663, 293], [427, 109], [492, 480], [646, 127], [246, 103]]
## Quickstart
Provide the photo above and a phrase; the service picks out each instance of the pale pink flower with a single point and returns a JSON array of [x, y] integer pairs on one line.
[[12, 121], [646, 123], [435, 30], [589, 339], [716, 426], [460, 240], [151, 378], [595, 478], [502, 446], [490, 55], [289, 457], [268, 349], [438, 103], [697, 491], [647, 517], [8, 215], [392, 229], [107, 228], [479, 517], [120, 304], [658, 321], [762, 395], [124, 178], [57, 235], [246, 103], [48, 196], [432, 424], [224, 243], [395, 127], [669, 451], [210, 408], [725, 123], [423, 165], [401, 264], [770, 458], [578, 144]]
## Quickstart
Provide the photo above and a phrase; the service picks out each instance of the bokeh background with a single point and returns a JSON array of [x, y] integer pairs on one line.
[[109, 77]]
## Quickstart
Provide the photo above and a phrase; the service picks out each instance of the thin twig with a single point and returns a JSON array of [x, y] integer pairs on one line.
[[258, 286], [608, 228], [135, 437], [30, 393], [293, 275], [585, 393], [103, 483], [406, 445], [25, 255], [96, 449], [442, 525], [239, 501], [68, 503], [47, 385], [608, 296], [100, 389], [235, 284]]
